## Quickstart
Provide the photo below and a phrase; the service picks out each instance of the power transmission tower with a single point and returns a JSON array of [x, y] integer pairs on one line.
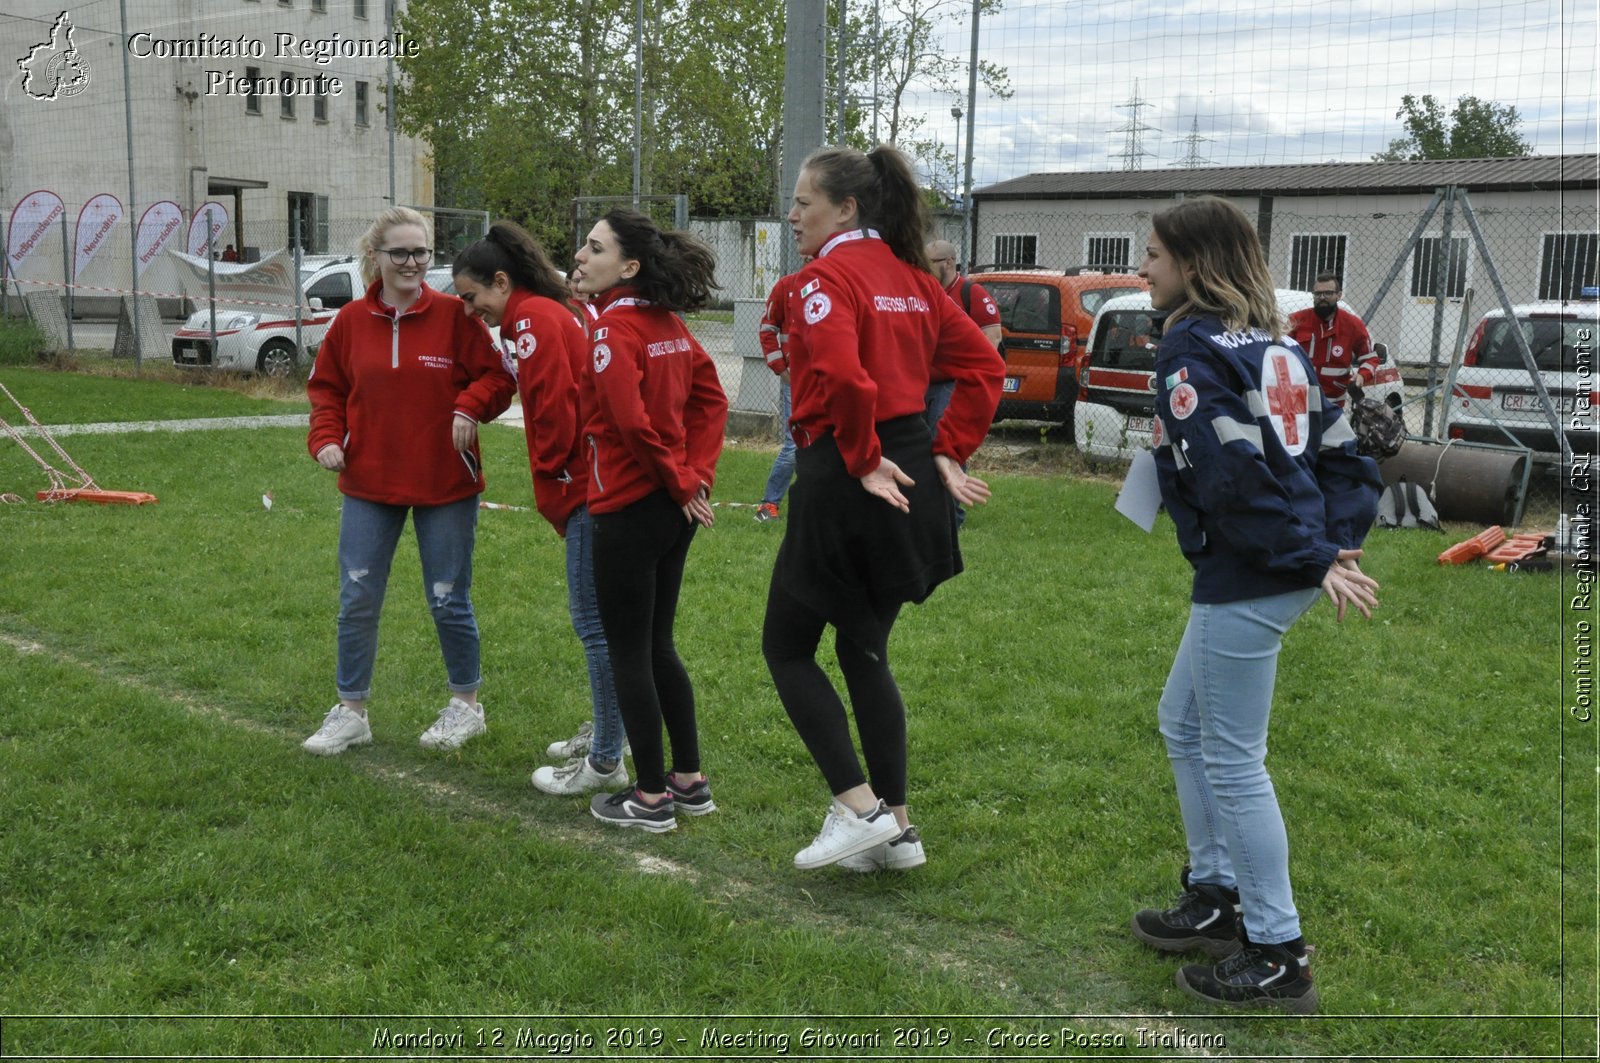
[[1133, 151], [1191, 155]]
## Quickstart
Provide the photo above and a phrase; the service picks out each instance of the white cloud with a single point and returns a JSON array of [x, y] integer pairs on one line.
[[1303, 81]]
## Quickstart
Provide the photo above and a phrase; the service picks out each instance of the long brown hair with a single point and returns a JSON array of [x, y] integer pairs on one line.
[[1212, 238], [510, 249], [886, 194], [677, 270]]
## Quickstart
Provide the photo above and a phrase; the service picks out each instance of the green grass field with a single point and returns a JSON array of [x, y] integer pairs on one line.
[[182, 880]]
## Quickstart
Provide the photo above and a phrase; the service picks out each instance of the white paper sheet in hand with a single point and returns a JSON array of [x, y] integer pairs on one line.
[[1140, 497]]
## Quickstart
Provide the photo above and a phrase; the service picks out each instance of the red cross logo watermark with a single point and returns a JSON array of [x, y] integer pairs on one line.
[[1284, 382]]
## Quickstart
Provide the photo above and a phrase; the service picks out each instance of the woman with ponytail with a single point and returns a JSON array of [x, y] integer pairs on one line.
[[872, 515], [654, 414], [507, 280]]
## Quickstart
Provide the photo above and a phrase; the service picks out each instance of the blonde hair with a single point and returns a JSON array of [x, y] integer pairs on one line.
[[1212, 238], [372, 239]]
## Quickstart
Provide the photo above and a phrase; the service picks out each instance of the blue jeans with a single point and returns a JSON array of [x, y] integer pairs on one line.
[[585, 612], [783, 464], [368, 535], [935, 402], [1213, 715]]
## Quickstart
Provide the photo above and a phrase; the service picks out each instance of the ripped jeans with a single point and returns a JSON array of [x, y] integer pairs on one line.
[[368, 535]]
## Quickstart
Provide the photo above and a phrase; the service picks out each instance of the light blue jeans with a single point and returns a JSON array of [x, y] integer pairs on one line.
[[935, 402], [368, 535], [606, 745], [1214, 714], [783, 464]]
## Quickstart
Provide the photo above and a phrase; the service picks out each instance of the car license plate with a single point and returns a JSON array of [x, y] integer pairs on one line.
[[1140, 424], [1516, 403], [1013, 383]]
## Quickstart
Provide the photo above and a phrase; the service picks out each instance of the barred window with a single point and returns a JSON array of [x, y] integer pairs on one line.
[[252, 98], [1567, 265], [1452, 272], [285, 99], [1314, 253], [361, 103], [1016, 250], [1108, 251]]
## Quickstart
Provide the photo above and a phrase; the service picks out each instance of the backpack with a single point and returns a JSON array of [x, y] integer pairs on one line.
[[1379, 428], [1405, 505], [966, 304]]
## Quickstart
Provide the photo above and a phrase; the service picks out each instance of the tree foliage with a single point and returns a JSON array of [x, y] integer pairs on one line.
[[1478, 129], [527, 104]]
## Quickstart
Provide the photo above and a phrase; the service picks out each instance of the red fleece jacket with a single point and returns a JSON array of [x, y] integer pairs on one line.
[[657, 412], [547, 351], [387, 388]]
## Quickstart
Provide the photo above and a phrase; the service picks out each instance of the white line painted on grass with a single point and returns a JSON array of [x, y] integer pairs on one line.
[[189, 424]]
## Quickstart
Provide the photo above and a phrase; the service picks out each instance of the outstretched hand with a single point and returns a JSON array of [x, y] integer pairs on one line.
[[1345, 584], [967, 490], [885, 482]]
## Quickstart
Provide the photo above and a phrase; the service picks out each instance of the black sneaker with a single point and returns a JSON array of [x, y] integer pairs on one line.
[[1257, 976], [694, 799], [629, 809], [1205, 919]]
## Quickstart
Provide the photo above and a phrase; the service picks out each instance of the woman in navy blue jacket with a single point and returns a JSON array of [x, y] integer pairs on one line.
[[1271, 501]]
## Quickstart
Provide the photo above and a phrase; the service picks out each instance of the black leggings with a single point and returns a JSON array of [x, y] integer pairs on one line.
[[639, 553], [789, 639]]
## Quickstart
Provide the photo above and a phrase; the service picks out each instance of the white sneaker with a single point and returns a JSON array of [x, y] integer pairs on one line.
[[457, 722], [896, 854], [341, 728], [844, 834], [578, 776], [580, 744]]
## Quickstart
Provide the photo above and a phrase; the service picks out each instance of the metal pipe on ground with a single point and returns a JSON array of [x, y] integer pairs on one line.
[[1471, 483]]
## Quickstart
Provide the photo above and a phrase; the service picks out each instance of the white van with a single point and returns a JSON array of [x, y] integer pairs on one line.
[[1117, 405]]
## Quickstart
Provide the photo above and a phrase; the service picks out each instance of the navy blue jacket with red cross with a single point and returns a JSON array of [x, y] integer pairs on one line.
[[1258, 470]]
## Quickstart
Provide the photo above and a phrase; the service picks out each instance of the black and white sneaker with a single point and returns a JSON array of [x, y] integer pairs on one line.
[[1205, 919], [628, 808], [694, 799], [1257, 976]]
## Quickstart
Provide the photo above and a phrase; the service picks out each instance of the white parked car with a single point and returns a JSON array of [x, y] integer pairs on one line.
[[255, 316], [1117, 408], [1493, 392]]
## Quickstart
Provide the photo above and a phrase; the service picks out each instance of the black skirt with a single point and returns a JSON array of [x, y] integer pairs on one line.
[[847, 554]]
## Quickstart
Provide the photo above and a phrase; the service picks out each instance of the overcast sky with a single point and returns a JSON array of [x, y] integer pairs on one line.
[[1266, 82]]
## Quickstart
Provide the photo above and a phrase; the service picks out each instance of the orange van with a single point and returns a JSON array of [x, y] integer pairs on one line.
[[1045, 317]]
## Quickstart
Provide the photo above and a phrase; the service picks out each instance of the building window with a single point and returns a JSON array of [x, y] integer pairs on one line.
[[320, 6], [252, 98], [1016, 250], [1567, 265], [308, 222], [1108, 251], [361, 103], [319, 104], [1315, 253], [360, 8], [1453, 272], [285, 97]]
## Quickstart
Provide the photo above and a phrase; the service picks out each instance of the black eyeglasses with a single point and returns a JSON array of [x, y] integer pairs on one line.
[[399, 255]]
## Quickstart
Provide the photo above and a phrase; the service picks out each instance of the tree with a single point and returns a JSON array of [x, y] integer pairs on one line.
[[1478, 129]]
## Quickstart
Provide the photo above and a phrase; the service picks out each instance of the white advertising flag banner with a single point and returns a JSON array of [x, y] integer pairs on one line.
[[197, 226], [30, 221], [95, 221], [158, 225]]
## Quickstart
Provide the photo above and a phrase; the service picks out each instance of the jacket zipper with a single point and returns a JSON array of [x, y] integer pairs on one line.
[[594, 454], [394, 344]]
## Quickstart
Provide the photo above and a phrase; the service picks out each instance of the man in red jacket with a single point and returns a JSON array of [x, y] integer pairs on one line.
[[1335, 339]]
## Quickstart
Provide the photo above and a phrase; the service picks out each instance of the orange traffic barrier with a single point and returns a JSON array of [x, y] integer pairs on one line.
[[1475, 547]]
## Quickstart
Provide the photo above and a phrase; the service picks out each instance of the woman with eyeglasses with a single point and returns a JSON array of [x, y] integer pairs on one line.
[[397, 392], [653, 432]]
